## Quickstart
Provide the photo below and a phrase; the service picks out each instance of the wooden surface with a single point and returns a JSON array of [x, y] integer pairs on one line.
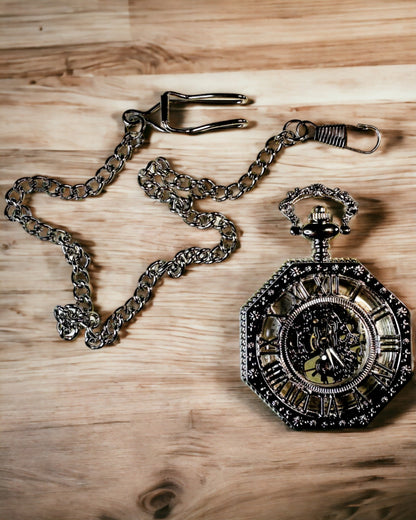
[[161, 426]]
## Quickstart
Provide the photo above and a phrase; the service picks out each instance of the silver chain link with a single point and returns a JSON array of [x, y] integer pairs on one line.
[[159, 182]]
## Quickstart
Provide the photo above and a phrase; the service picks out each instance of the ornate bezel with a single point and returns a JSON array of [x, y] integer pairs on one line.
[[251, 321]]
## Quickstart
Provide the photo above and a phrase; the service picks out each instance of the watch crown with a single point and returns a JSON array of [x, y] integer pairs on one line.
[[320, 230]]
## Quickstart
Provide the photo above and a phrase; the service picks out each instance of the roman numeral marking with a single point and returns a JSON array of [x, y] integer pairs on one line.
[[390, 343], [355, 292], [278, 317], [335, 284], [323, 407], [271, 367], [382, 374], [383, 367], [328, 406], [268, 346], [276, 377], [299, 292], [327, 284], [271, 326], [292, 394], [297, 397], [306, 402], [379, 381], [360, 399], [379, 312]]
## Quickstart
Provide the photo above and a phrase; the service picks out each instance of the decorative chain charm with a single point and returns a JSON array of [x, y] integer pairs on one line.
[[159, 182]]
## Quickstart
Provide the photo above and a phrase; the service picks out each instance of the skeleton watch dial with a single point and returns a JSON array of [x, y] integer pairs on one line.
[[325, 344]]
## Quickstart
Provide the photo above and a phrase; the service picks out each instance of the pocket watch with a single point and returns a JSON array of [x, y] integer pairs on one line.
[[323, 342]]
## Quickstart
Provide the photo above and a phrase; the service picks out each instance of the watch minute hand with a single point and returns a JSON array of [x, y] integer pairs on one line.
[[332, 351]]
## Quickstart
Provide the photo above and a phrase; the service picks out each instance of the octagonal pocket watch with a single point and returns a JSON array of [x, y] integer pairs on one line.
[[323, 342]]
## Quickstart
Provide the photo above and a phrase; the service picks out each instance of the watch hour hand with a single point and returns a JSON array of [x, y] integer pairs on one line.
[[328, 356]]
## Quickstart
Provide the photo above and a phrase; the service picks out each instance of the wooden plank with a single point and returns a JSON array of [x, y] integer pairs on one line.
[[115, 58], [164, 40], [40, 28]]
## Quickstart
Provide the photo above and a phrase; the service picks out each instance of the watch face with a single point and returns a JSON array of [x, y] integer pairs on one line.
[[325, 344]]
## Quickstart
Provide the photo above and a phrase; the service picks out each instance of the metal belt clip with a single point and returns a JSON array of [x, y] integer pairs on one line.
[[132, 117]]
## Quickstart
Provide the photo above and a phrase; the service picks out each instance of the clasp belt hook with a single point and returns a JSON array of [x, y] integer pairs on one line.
[[365, 128], [132, 117], [334, 135]]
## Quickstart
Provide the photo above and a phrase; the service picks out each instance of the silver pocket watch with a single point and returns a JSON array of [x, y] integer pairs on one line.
[[323, 342]]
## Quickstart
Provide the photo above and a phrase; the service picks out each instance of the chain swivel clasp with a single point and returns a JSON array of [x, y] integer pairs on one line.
[[334, 135], [132, 117], [337, 135]]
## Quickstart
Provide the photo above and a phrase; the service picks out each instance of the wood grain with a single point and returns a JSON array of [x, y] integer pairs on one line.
[[161, 426]]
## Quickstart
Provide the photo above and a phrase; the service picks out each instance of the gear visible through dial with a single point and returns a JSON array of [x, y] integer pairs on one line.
[[327, 344]]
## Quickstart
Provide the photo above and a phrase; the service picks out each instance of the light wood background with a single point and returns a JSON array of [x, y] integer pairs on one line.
[[160, 426]]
